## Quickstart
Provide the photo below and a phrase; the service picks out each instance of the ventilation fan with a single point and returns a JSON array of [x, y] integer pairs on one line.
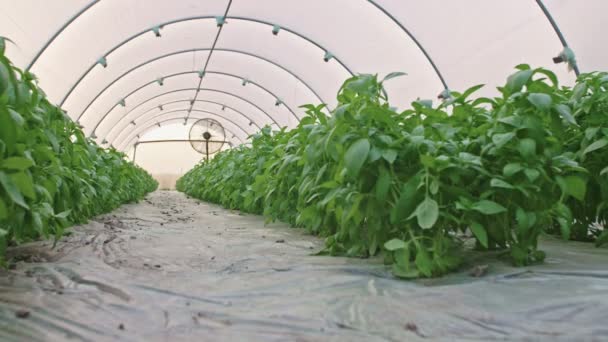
[[207, 137]]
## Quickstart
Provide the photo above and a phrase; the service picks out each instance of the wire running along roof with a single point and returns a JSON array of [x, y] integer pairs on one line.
[[111, 62]]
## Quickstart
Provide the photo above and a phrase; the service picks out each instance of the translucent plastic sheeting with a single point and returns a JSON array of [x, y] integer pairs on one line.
[[30, 25], [130, 133], [479, 42], [170, 268], [238, 123], [253, 112], [213, 83], [159, 160], [179, 37], [236, 134], [182, 106], [469, 42], [104, 25], [582, 23], [364, 38], [136, 53], [184, 102]]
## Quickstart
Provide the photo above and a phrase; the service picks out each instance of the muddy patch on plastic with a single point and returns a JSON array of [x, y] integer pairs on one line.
[[172, 268]]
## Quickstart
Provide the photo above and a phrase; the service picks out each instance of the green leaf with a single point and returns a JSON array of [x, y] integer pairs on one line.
[[524, 221], [602, 239], [540, 101], [393, 75], [501, 139], [601, 143], [383, 184], [511, 169], [389, 155], [487, 207], [531, 174], [565, 113], [17, 118], [25, 184], [424, 262], [480, 233], [604, 171], [63, 214], [12, 190], [516, 81], [3, 211], [405, 273], [394, 244], [407, 200], [17, 163], [4, 78], [527, 148], [499, 183], [579, 91], [427, 213], [576, 187], [355, 156]]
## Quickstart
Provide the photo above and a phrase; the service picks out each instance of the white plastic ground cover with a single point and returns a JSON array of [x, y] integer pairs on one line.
[[172, 268], [454, 44]]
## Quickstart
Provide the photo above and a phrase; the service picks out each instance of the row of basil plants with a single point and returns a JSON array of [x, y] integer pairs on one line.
[[51, 175], [418, 184]]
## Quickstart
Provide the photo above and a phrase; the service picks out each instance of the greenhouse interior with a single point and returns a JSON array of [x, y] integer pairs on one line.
[[320, 170]]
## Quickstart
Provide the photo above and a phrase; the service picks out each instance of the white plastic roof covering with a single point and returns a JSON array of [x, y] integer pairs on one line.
[[453, 44]]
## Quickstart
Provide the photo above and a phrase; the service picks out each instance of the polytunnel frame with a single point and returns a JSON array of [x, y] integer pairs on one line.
[[152, 117], [124, 135], [128, 140], [187, 73], [379, 7], [155, 59], [144, 114], [180, 20], [127, 143], [204, 89], [543, 8]]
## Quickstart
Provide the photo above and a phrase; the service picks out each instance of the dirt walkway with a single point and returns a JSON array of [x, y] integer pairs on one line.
[[174, 269]]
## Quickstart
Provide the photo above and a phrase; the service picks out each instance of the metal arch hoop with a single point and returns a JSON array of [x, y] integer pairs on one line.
[[146, 129], [56, 34], [195, 50], [190, 19], [205, 89], [186, 73], [178, 101], [127, 141], [557, 31], [415, 40], [179, 111]]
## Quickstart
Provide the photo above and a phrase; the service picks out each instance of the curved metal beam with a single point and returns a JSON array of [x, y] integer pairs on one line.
[[206, 17], [151, 123], [127, 142], [129, 137], [179, 111], [415, 40], [178, 101], [194, 89], [134, 140], [195, 50], [558, 32], [56, 34], [186, 73]]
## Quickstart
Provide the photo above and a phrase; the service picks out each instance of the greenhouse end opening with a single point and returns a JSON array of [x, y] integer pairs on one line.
[[336, 170]]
